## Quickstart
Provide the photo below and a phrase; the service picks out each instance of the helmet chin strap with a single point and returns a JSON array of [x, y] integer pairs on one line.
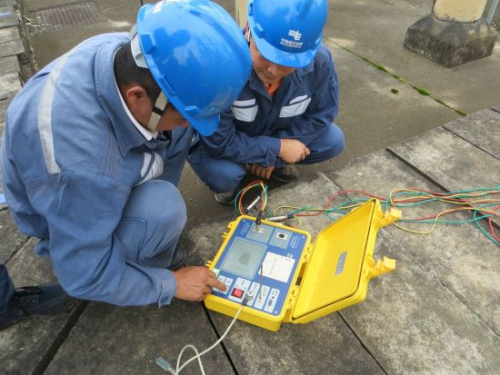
[[158, 110], [136, 49], [161, 102]]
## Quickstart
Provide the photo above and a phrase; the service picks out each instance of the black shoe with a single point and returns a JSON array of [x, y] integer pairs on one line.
[[48, 299], [286, 174], [226, 198], [178, 259]]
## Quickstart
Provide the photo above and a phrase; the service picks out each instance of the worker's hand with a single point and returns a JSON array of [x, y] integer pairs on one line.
[[194, 283], [260, 171], [293, 151]]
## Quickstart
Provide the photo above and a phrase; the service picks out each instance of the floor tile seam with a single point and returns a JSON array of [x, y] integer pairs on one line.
[[20, 248], [469, 308], [225, 349], [60, 339], [363, 345], [470, 142]]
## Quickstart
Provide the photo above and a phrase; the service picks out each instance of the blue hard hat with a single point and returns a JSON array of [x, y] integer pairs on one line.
[[287, 32], [197, 55]]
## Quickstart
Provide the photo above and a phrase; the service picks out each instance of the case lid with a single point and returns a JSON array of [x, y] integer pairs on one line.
[[334, 270]]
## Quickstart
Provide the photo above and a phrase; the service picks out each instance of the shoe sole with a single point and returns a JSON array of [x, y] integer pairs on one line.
[[224, 202]]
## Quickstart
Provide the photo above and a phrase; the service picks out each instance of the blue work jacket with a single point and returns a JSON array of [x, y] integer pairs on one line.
[[71, 156], [250, 131]]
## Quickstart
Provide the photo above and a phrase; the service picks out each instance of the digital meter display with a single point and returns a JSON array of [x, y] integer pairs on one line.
[[259, 261], [243, 258]]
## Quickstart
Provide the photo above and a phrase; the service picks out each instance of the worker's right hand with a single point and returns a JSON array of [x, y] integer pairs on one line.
[[194, 283], [292, 151]]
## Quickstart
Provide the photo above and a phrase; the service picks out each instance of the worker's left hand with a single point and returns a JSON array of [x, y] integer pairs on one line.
[[260, 171]]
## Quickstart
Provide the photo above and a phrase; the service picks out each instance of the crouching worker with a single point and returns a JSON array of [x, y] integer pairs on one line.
[[284, 115], [93, 150]]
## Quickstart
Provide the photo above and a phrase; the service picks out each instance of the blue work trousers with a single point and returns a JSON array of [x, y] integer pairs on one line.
[[155, 214], [223, 175], [150, 228]]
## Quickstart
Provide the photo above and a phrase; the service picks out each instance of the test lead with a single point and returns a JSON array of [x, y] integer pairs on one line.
[[258, 221], [281, 218], [252, 205]]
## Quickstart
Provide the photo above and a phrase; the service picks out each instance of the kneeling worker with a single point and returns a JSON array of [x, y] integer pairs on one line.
[[93, 150], [284, 115]]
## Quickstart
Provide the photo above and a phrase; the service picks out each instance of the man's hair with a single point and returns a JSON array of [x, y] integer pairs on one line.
[[127, 72]]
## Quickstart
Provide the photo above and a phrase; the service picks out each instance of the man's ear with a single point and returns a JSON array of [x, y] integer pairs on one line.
[[136, 98]]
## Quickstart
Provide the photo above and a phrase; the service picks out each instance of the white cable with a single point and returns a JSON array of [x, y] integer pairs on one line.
[[198, 355]]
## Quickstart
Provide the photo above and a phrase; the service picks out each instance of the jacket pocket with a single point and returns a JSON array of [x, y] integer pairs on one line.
[[295, 109], [245, 110], [152, 167]]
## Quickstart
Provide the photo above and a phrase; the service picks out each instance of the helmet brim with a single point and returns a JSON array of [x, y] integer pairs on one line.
[[206, 127], [279, 57]]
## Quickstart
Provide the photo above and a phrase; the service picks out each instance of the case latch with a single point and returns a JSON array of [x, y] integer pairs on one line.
[[381, 267]]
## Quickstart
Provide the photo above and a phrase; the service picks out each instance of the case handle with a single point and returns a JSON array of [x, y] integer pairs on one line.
[[381, 267], [389, 218]]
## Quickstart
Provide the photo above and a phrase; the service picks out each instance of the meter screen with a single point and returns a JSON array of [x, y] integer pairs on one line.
[[243, 258]]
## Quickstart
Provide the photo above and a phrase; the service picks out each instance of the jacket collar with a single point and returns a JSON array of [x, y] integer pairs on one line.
[[289, 82], [106, 87]]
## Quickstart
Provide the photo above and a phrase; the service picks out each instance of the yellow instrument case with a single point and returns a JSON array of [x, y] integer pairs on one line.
[[331, 274]]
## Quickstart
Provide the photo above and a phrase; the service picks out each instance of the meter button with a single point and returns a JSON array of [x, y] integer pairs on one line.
[[221, 279], [271, 302], [238, 293]]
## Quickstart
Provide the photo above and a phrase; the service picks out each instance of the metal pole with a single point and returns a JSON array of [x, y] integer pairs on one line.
[[491, 13]]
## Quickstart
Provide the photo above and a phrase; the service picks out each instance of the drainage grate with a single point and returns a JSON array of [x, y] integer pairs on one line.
[[63, 17]]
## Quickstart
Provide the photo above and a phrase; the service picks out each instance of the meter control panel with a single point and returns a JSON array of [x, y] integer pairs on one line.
[[259, 261]]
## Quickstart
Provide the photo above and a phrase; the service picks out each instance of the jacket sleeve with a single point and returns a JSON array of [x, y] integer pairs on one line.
[[324, 101], [229, 143], [83, 210]]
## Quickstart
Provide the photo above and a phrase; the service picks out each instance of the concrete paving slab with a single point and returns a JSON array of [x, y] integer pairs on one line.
[[12, 47], [12, 239], [450, 253], [9, 64], [482, 129], [28, 347], [9, 33], [444, 157], [10, 86], [7, 2], [113, 340], [413, 325], [376, 30], [8, 16], [326, 346]]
